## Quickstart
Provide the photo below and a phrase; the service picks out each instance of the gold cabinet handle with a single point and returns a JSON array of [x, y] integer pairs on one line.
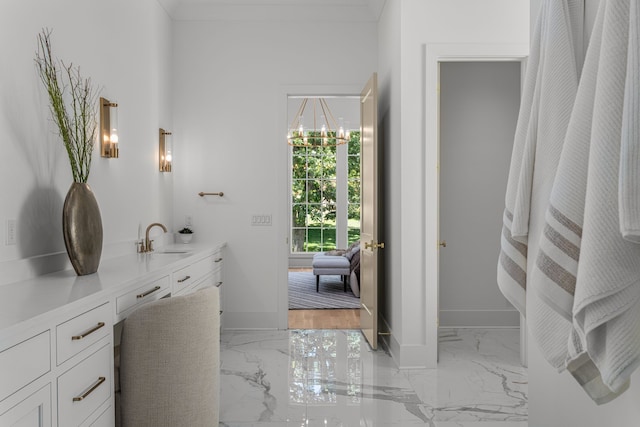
[[184, 279], [218, 260], [442, 243], [89, 332], [149, 292], [218, 284], [88, 392], [371, 245]]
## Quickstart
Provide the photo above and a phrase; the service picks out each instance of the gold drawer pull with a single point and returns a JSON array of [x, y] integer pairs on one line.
[[149, 292], [88, 392], [89, 332], [218, 284], [184, 280], [218, 260]]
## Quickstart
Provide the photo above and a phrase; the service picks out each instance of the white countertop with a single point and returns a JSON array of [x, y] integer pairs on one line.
[[25, 303]]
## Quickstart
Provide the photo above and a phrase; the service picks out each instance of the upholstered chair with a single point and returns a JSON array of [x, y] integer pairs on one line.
[[169, 362]]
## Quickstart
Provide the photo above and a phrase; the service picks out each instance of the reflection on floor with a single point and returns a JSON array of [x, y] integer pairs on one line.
[[324, 319], [332, 378]]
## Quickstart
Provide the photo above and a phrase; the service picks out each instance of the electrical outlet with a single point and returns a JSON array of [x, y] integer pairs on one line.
[[187, 220], [11, 232]]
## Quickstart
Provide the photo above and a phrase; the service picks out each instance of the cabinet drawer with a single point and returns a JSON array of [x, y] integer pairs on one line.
[[106, 419], [24, 362], [85, 387], [186, 276], [34, 410], [150, 291], [217, 260], [79, 333]]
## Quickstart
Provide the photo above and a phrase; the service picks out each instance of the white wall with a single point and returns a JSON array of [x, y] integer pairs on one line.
[[479, 103], [411, 259], [231, 84], [556, 400], [390, 134], [125, 48]]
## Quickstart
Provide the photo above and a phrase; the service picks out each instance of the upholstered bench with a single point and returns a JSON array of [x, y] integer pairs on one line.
[[331, 264]]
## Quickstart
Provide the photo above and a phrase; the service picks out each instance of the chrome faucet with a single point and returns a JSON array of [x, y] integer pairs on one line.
[[148, 247]]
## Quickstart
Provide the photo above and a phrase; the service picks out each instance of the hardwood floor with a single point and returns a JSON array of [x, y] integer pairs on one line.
[[324, 319]]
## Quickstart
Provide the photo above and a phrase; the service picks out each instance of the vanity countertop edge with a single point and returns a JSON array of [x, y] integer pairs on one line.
[[28, 303]]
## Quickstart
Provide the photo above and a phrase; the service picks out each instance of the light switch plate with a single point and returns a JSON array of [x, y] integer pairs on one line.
[[261, 220], [11, 232]]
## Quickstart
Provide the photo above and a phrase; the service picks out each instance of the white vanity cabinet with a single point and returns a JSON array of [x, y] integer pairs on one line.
[[189, 277], [199, 274], [149, 290], [24, 400], [57, 333], [33, 410], [61, 376], [84, 355]]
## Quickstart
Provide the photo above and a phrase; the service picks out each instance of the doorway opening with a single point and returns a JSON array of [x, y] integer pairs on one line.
[[478, 111], [324, 212]]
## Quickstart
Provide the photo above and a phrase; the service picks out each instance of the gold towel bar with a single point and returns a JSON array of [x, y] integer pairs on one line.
[[202, 194]]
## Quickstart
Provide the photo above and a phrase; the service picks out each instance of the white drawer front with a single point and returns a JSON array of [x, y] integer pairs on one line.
[[190, 274], [143, 294], [32, 357], [33, 411], [85, 387], [106, 419], [79, 333], [217, 260]]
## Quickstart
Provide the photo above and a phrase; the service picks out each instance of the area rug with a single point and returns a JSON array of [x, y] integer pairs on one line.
[[303, 295]]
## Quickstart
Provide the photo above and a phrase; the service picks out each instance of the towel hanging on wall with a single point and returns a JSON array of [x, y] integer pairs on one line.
[[549, 90], [586, 275]]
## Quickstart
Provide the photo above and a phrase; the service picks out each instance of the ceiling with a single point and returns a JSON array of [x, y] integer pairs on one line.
[[275, 10]]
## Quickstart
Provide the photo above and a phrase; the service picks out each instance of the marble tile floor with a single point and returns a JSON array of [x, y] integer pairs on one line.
[[331, 378]]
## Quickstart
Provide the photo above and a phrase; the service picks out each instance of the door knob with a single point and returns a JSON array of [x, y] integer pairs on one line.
[[371, 245], [442, 243]]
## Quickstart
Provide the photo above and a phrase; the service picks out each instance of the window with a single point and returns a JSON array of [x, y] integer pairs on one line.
[[321, 192]]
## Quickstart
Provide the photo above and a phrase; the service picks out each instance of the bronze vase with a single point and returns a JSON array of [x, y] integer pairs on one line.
[[82, 228]]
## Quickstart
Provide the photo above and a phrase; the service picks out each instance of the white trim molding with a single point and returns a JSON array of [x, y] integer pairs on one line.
[[436, 53]]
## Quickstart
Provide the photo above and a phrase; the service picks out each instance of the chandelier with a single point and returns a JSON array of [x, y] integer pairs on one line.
[[326, 131]]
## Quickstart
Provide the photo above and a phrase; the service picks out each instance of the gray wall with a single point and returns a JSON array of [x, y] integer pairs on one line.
[[479, 104]]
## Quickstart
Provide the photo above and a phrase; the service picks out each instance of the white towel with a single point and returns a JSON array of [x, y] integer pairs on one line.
[[548, 94], [585, 270], [629, 191]]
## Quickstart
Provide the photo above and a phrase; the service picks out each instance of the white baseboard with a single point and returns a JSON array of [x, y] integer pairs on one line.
[[407, 356], [479, 319]]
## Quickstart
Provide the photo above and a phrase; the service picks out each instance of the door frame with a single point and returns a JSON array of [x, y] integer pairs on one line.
[[283, 195], [434, 55]]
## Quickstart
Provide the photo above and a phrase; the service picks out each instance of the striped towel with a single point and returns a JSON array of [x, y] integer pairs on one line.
[[548, 94], [585, 270]]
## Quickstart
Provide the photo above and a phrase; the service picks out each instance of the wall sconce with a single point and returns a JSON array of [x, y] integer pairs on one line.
[[165, 156], [108, 128]]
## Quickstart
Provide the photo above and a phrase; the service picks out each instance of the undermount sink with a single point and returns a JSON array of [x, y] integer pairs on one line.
[[171, 251]]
